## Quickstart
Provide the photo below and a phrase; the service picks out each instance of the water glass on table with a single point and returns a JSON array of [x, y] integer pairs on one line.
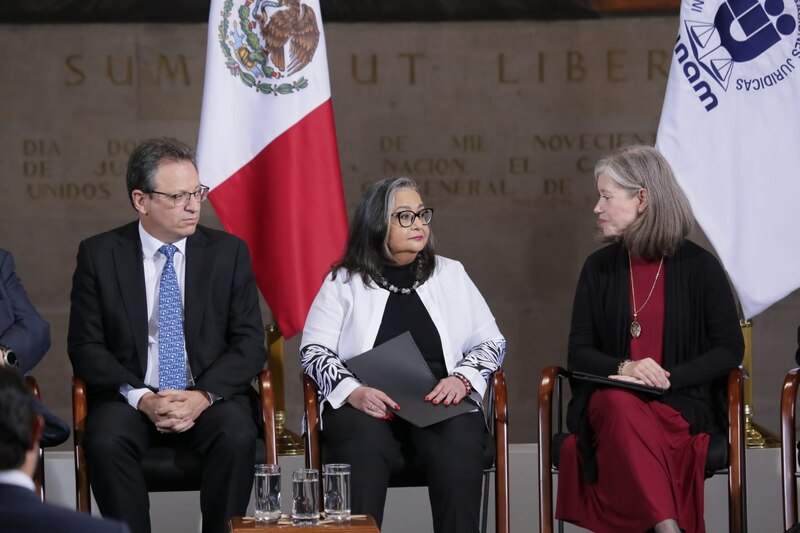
[[268, 493], [336, 491], [305, 497]]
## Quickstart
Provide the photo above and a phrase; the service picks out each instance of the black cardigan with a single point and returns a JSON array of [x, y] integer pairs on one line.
[[702, 336]]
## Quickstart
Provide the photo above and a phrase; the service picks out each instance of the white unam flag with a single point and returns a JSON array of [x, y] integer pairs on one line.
[[730, 127]]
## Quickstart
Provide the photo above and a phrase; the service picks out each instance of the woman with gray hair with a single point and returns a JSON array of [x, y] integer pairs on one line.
[[390, 281], [651, 308]]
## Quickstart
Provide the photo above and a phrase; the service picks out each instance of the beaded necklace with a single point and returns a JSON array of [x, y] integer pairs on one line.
[[384, 283]]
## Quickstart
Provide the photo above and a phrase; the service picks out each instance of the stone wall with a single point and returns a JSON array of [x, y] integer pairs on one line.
[[499, 122]]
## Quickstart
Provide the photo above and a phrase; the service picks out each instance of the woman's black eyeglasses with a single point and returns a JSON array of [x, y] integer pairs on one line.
[[406, 218]]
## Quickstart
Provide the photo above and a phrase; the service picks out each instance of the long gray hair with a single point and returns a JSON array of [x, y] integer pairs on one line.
[[667, 218]]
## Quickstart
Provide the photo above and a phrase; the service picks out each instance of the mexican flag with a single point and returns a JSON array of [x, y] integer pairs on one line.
[[267, 146]]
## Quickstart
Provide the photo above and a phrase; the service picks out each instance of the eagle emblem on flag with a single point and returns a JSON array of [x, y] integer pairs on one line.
[[267, 41]]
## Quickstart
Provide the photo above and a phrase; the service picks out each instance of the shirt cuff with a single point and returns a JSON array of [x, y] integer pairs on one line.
[[212, 397], [132, 396], [338, 396]]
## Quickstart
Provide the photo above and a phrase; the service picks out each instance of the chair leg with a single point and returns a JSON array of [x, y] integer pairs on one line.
[[485, 503]]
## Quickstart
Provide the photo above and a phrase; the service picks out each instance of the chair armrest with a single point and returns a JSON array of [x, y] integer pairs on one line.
[[311, 407], [549, 378], [268, 416], [500, 398], [502, 490], [737, 518], [83, 500], [789, 446], [38, 476], [33, 387]]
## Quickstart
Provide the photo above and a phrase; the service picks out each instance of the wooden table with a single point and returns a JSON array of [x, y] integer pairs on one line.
[[356, 524]]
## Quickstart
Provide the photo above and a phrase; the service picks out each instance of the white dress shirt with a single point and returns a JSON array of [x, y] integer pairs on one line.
[[18, 478]]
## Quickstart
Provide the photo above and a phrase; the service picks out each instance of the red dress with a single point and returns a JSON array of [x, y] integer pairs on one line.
[[650, 468]]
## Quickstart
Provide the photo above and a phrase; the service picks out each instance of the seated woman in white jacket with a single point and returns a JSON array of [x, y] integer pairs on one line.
[[390, 281]]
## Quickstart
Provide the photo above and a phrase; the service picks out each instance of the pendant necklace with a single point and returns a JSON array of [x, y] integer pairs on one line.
[[636, 328]]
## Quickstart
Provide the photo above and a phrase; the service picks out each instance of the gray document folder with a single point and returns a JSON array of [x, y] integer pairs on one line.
[[397, 368], [603, 380]]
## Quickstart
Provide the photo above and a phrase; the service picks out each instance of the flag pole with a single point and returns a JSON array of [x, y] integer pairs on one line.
[[288, 442], [756, 436]]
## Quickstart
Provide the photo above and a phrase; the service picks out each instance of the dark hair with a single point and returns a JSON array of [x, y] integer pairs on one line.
[[367, 249], [667, 219], [17, 413], [147, 157]]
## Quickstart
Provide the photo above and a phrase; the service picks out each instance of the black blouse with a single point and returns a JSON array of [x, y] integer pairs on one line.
[[405, 312]]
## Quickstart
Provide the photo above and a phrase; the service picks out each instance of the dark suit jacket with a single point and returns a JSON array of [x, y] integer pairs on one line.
[[28, 334], [107, 340], [21, 326], [21, 511]]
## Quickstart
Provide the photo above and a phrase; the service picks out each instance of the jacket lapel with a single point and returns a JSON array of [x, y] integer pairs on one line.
[[621, 308], [128, 265], [196, 287]]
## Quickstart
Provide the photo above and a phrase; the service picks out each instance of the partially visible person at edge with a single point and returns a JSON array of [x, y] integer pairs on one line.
[[653, 308], [24, 339], [21, 510], [390, 281]]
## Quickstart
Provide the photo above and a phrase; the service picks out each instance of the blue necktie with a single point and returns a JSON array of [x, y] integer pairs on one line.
[[171, 362]]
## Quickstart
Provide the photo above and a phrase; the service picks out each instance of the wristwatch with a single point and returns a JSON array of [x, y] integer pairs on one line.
[[9, 356]]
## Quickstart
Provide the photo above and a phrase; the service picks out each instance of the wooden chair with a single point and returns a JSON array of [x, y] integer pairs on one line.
[[725, 455], [498, 413], [38, 477], [166, 469], [789, 455]]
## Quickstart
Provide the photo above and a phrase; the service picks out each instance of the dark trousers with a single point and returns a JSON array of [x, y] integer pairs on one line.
[[450, 453], [117, 435]]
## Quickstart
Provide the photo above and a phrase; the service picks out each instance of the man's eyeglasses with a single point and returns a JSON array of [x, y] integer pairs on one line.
[[406, 218], [182, 198]]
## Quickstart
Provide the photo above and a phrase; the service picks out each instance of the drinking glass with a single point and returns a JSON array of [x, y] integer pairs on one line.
[[336, 490], [268, 493], [305, 496]]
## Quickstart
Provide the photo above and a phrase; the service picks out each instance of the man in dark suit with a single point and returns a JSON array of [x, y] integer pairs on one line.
[[165, 328], [24, 339], [21, 510]]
